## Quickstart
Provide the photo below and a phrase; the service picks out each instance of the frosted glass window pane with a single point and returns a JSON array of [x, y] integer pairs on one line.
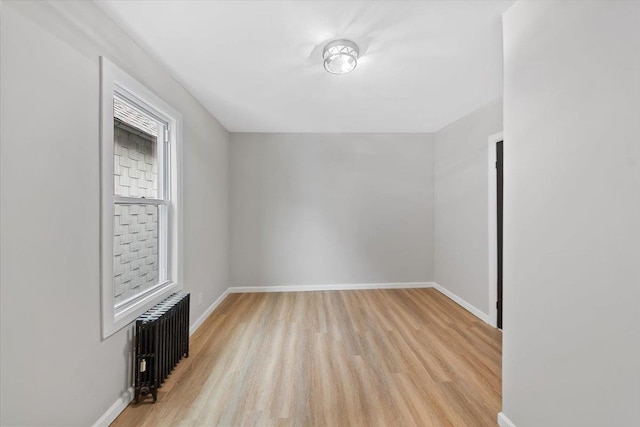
[[135, 250]]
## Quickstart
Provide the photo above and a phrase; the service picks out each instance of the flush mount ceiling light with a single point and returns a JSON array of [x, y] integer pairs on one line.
[[340, 56]]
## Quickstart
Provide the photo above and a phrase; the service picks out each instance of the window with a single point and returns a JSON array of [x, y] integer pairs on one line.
[[140, 201]]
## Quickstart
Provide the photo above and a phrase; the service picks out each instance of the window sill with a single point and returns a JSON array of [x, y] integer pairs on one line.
[[129, 311]]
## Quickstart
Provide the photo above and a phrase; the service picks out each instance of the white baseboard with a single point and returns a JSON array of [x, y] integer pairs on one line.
[[464, 304], [329, 287], [503, 421], [207, 312], [115, 409]]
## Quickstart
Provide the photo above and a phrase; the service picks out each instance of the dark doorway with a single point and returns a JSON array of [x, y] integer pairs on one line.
[[500, 184]]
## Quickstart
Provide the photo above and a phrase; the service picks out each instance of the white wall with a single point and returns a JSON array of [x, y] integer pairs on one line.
[[55, 370], [461, 204], [331, 208], [571, 341]]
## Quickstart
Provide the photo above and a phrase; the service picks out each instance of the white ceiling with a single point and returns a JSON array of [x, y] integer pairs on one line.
[[257, 65]]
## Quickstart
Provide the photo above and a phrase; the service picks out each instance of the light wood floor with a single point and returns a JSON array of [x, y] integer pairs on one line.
[[405, 357]]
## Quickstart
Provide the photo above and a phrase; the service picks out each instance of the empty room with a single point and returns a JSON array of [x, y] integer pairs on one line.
[[320, 213]]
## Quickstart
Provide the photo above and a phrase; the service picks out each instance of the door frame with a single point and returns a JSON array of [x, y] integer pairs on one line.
[[493, 227]]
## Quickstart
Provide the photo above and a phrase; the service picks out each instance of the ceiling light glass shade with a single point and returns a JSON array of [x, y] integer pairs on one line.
[[340, 56]]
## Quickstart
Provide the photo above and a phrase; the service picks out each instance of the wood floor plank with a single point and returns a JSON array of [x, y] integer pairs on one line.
[[403, 357]]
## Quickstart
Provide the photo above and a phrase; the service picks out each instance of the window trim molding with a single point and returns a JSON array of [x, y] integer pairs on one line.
[[114, 80]]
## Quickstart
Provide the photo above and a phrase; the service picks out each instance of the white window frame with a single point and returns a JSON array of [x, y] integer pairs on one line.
[[116, 82]]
